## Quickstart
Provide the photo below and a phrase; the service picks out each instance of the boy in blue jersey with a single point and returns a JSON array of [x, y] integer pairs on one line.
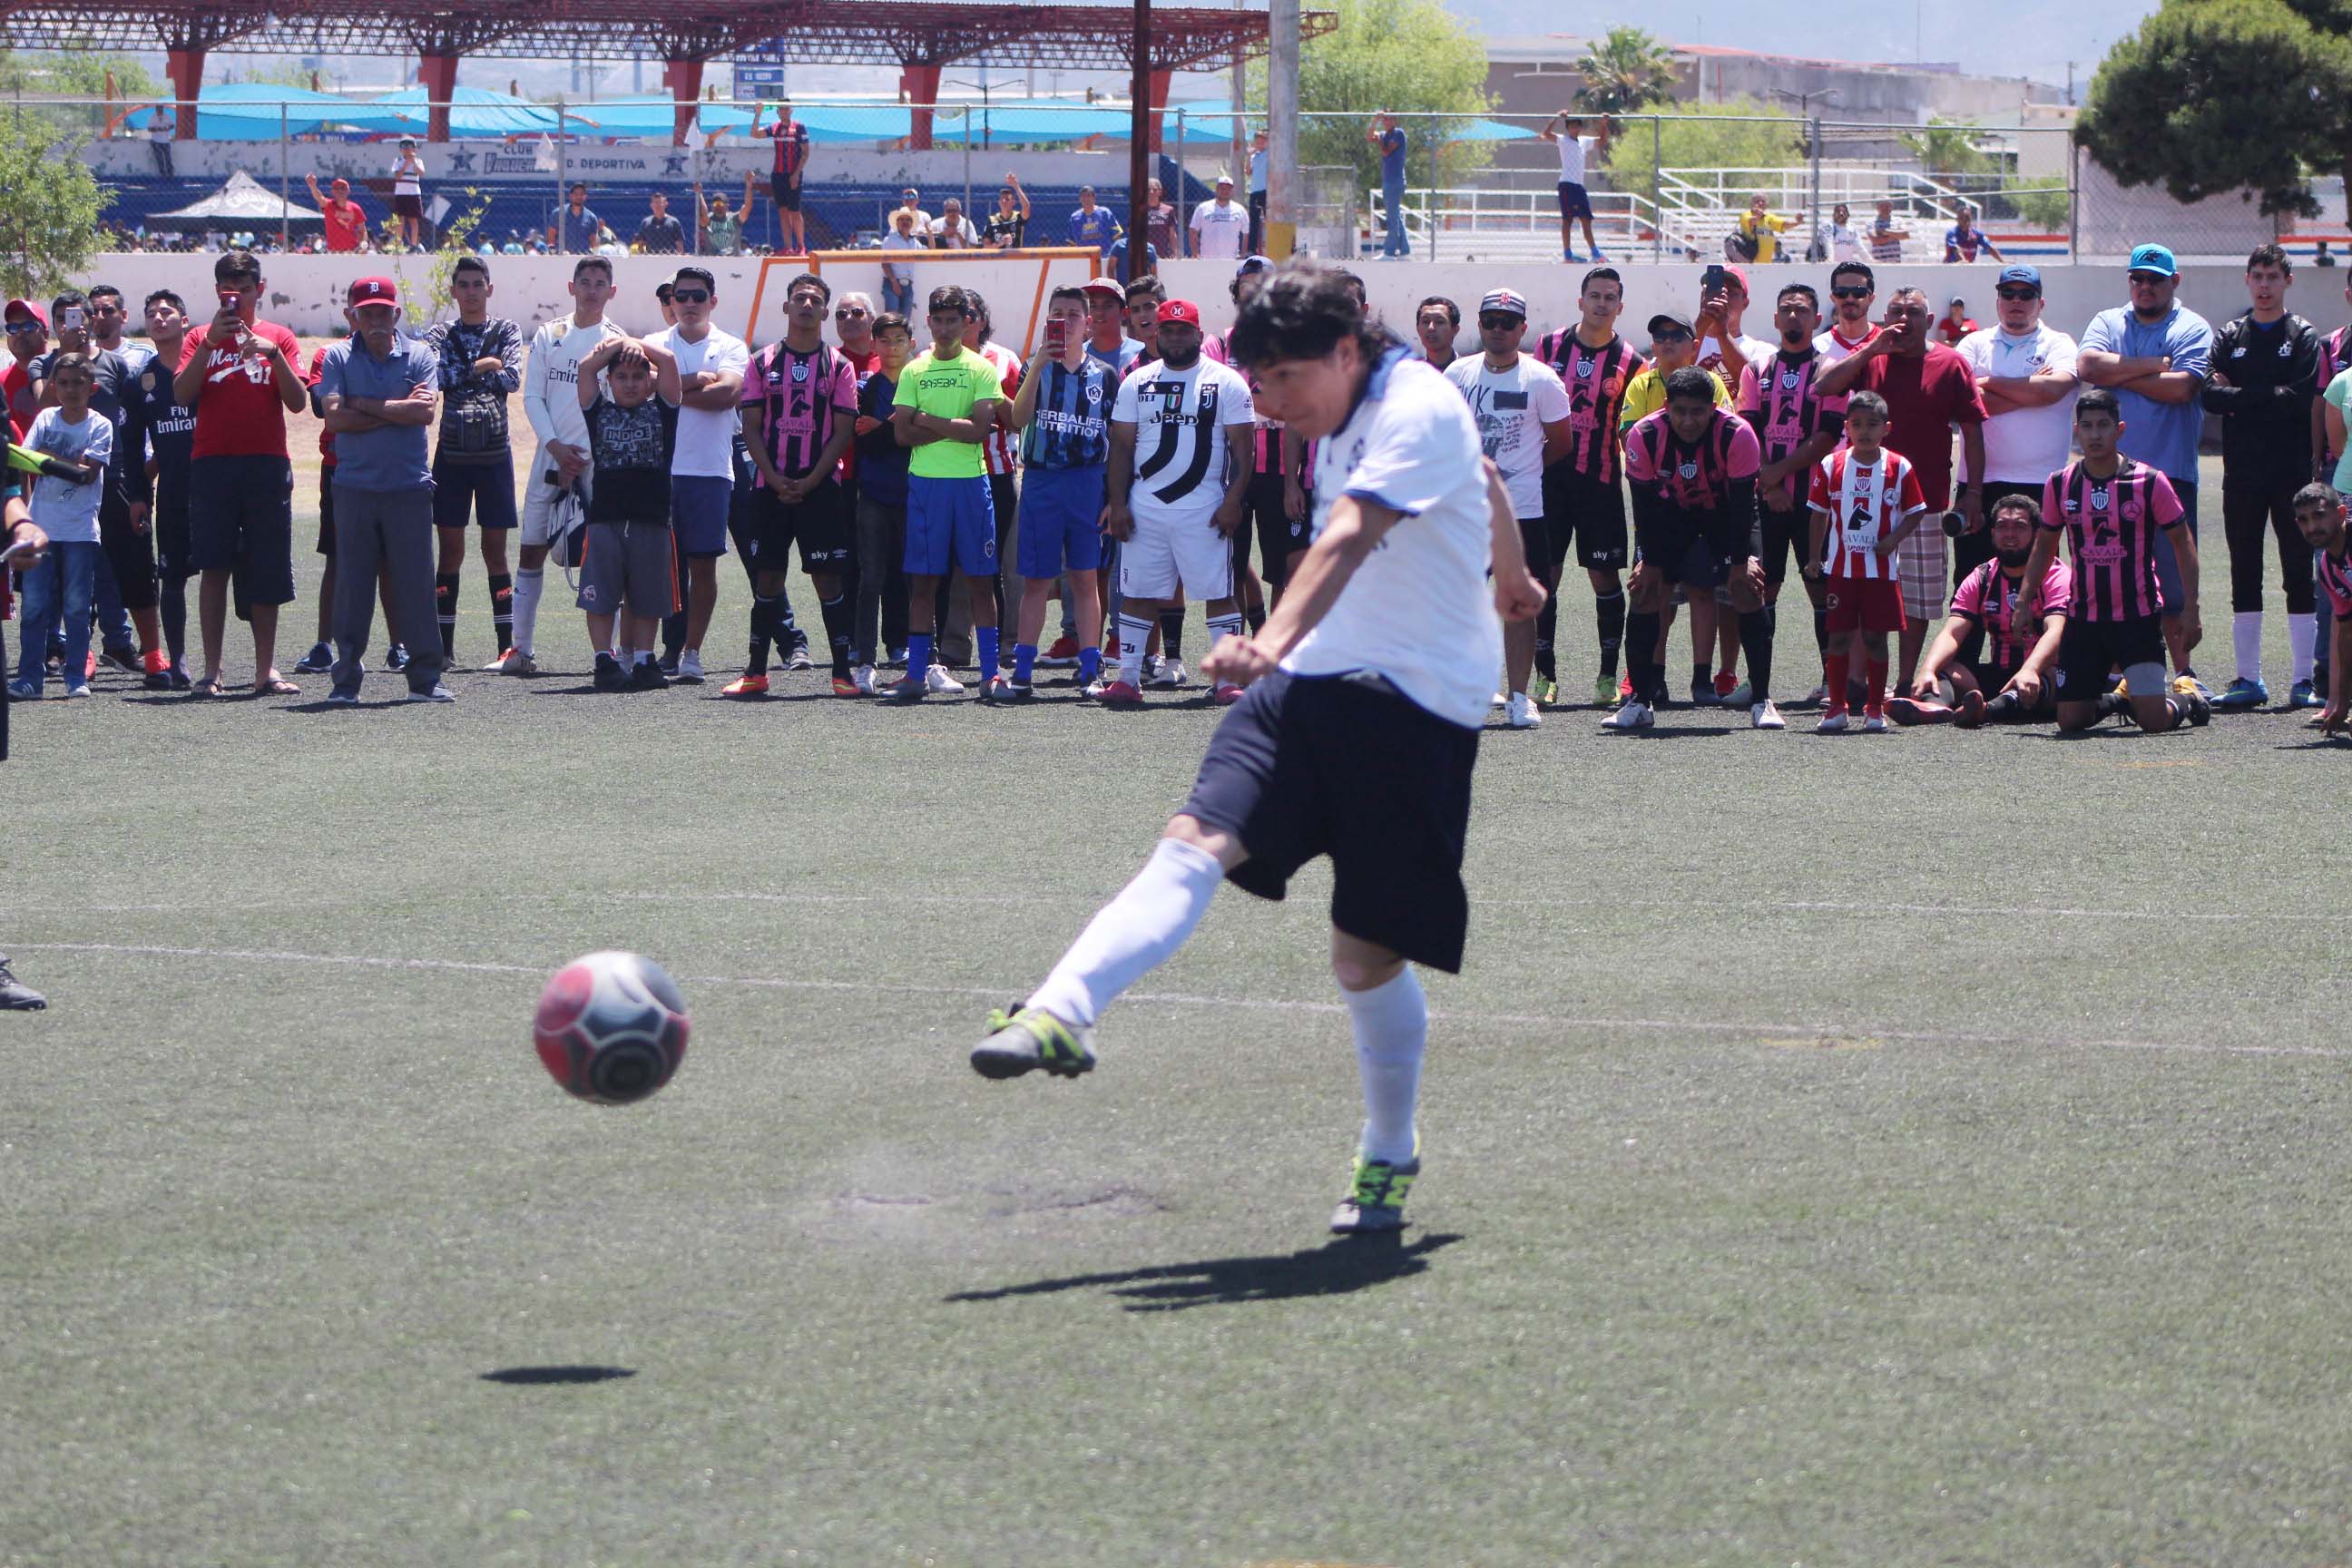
[[1092, 225], [1063, 410]]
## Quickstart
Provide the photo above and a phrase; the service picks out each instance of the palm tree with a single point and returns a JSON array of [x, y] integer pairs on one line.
[[1626, 72]]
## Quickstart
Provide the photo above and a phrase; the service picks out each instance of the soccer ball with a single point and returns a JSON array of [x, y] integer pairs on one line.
[[611, 1028]]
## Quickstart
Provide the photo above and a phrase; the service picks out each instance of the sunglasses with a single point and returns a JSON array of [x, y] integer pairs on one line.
[[1851, 291], [848, 311], [2137, 278], [2019, 293], [1498, 323], [15, 328], [1668, 340], [691, 297]]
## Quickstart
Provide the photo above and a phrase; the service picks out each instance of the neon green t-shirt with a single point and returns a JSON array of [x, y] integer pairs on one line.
[[947, 389]]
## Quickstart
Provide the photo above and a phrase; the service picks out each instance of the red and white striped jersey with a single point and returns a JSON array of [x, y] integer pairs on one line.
[[1867, 502], [997, 450]]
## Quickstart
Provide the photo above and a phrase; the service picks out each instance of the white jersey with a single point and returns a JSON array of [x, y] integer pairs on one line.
[[550, 379], [1419, 609], [1573, 153], [1219, 229], [706, 437], [1181, 447], [2024, 442], [1512, 408], [1833, 348]]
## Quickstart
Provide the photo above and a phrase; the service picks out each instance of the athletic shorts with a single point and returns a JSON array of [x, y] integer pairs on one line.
[[1535, 544], [241, 520], [1863, 604], [629, 566], [1060, 521], [1166, 554], [949, 520], [1783, 536], [2089, 650], [1697, 550], [1345, 765], [1574, 202], [786, 195], [539, 494], [1919, 566], [1584, 514], [325, 545], [2168, 560], [481, 491], [1004, 500], [1280, 536], [408, 207], [820, 524], [697, 515], [130, 552]]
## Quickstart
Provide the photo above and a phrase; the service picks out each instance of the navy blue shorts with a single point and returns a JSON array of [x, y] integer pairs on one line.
[[483, 492], [1573, 200], [1060, 521], [241, 520], [950, 519], [697, 515], [1345, 765]]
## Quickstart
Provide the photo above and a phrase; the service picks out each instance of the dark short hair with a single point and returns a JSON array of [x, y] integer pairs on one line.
[[824, 288], [976, 305], [469, 262], [576, 186], [603, 263], [65, 362], [1805, 288], [2097, 399], [2316, 494], [1065, 292], [1856, 268], [1865, 402], [1908, 288], [2021, 502], [1357, 283], [1453, 310], [663, 290], [108, 289], [1145, 283], [890, 319], [2270, 256], [947, 297], [236, 264], [687, 274], [71, 300], [1303, 312], [1599, 275], [168, 297], [1690, 384]]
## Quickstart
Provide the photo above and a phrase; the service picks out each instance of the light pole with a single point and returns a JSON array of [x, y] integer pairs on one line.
[[1804, 102]]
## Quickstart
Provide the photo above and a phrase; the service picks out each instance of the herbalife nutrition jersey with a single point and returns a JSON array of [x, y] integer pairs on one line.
[[1180, 418]]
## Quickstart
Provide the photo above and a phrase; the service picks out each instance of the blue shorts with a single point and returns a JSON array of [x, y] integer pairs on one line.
[[697, 515], [1573, 200], [950, 517], [484, 490], [1060, 521]]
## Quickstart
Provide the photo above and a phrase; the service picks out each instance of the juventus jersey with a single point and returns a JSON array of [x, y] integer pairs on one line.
[[1180, 419]]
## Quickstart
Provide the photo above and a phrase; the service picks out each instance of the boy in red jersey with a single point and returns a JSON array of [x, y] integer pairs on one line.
[[1865, 502]]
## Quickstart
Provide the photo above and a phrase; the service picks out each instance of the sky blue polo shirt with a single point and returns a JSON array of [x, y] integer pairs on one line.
[[389, 458], [2161, 435]]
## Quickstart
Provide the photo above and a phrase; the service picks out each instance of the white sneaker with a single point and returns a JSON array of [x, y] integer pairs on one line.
[[1169, 673], [864, 677], [514, 661], [80, 689], [1874, 724], [1833, 724], [939, 683], [1502, 701], [1521, 711], [1764, 715], [690, 668], [1634, 714]]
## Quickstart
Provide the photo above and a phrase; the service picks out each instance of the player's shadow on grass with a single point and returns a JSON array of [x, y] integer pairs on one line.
[[1351, 1264], [559, 1374]]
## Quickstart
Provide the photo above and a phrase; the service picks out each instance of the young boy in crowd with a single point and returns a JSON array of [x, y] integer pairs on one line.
[[1865, 502], [66, 509], [630, 565], [881, 507]]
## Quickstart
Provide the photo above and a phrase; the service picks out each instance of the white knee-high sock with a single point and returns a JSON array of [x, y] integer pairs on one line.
[[1133, 934], [2301, 637], [1224, 626], [527, 586], [1392, 1024], [1134, 631], [2246, 642]]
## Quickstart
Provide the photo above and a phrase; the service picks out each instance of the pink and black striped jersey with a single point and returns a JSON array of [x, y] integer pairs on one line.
[[1692, 477], [2114, 521], [799, 396], [1988, 597], [2335, 355], [1780, 397], [1596, 380], [2336, 578], [1867, 502], [1266, 457]]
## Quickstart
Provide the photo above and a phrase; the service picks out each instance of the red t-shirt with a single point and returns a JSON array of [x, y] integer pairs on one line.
[[346, 221], [237, 411], [310, 378], [16, 388], [1953, 334], [1925, 398]]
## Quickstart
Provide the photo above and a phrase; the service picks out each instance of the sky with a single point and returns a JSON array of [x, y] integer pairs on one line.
[[1988, 38]]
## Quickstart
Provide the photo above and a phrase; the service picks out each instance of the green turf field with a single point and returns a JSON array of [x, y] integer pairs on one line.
[[1925, 1148]]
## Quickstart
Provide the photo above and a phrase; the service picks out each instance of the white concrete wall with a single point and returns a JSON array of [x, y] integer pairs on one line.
[[306, 292]]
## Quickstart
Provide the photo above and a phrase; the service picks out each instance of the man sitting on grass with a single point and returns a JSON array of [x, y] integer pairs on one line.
[[1980, 649]]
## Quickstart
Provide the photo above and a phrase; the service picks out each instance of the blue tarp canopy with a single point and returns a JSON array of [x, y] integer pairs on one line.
[[249, 111], [478, 113], [654, 115]]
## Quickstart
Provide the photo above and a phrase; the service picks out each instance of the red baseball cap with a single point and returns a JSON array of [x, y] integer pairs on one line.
[[374, 291], [30, 307], [1179, 310]]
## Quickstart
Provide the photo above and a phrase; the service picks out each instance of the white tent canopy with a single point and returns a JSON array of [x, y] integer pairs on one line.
[[244, 201]]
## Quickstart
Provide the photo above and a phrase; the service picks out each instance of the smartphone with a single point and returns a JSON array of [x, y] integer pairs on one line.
[[1058, 336], [1714, 277], [70, 320]]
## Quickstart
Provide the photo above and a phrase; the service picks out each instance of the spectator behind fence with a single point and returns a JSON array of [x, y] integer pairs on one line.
[[1219, 226], [1007, 227], [408, 194], [1092, 225], [1159, 224], [577, 225], [1388, 136], [718, 227], [346, 220], [792, 140], [897, 280], [1257, 173], [659, 234]]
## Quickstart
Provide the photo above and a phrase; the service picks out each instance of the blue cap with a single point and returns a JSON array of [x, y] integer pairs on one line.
[[2153, 259], [2021, 274]]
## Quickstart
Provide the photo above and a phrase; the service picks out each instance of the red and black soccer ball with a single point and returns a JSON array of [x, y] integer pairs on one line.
[[611, 1028]]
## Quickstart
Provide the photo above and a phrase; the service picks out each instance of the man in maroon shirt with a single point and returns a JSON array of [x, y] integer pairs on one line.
[[239, 377], [1928, 389]]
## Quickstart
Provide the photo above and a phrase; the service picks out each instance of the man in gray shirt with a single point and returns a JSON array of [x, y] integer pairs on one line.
[[377, 393]]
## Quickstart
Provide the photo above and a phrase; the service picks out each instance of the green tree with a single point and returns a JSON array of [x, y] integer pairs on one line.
[[48, 207], [1626, 70], [1409, 56], [2214, 96], [78, 74], [1742, 134]]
